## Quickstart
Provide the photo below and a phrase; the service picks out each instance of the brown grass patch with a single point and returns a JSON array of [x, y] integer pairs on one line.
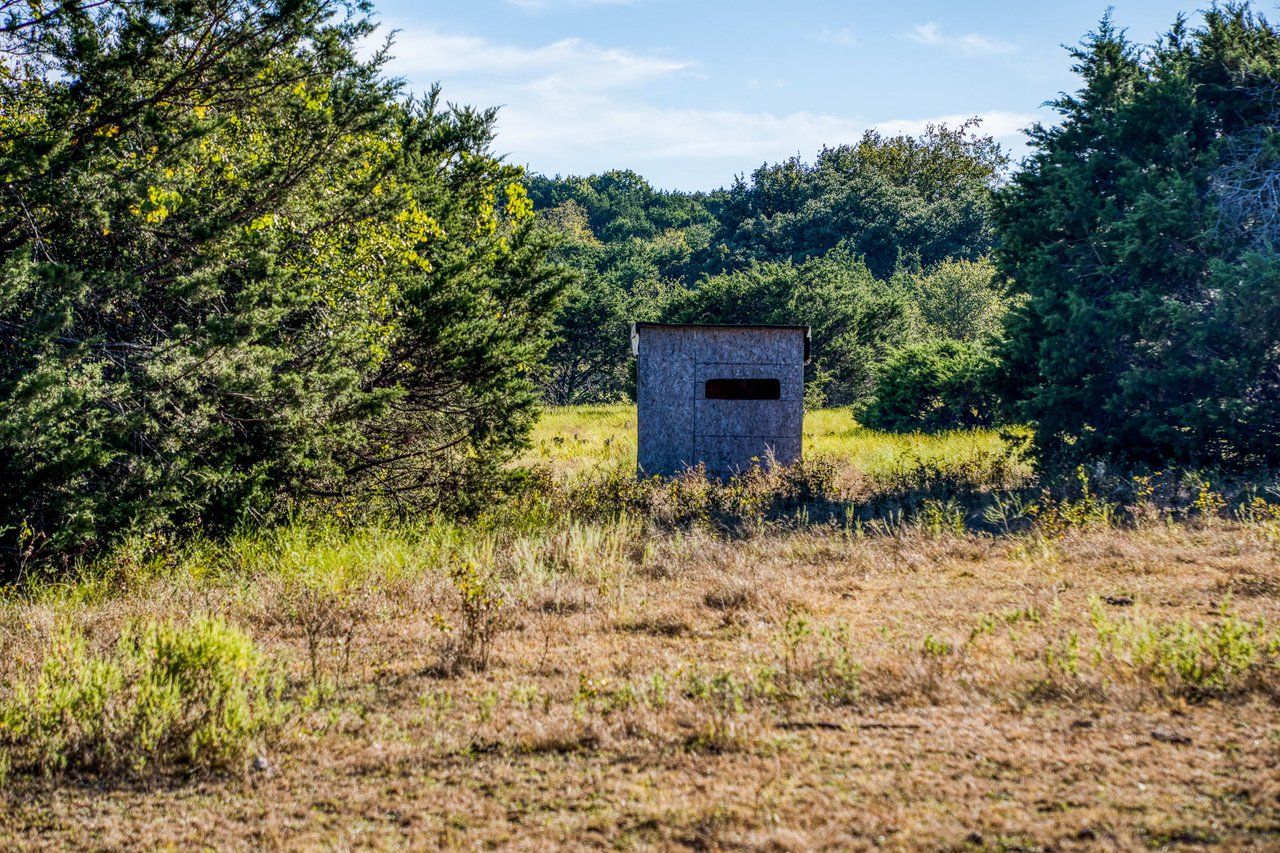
[[908, 690]]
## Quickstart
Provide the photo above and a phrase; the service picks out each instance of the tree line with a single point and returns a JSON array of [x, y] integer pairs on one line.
[[1117, 289], [243, 271], [878, 246]]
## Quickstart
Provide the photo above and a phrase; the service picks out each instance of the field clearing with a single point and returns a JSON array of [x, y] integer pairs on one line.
[[779, 687], [574, 439]]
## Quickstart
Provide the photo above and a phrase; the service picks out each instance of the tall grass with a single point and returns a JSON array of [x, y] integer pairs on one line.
[[125, 688]]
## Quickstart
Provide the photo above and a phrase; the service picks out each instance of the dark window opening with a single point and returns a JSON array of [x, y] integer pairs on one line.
[[744, 389]]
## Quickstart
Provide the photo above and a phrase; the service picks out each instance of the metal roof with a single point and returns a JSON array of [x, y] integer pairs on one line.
[[636, 327]]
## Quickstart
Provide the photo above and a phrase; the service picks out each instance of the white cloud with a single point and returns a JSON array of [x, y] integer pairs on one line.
[[574, 108], [843, 37], [693, 148], [568, 64], [972, 44]]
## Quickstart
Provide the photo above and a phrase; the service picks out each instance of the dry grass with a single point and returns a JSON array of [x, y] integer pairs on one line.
[[787, 691], [601, 663]]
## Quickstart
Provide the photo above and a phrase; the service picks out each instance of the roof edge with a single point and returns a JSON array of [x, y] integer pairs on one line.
[[637, 326]]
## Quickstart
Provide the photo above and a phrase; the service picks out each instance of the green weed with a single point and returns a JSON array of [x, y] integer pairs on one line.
[[166, 695], [1220, 658], [483, 615]]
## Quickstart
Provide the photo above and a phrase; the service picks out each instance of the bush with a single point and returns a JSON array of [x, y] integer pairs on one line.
[[932, 386], [165, 696], [483, 615]]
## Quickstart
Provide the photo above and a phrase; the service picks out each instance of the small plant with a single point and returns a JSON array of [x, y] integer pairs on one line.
[[1145, 505], [1053, 518], [166, 695], [795, 630], [1062, 658], [835, 666], [326, 590], [1209, 504], [1007, 512], [722, 698], [328, 619], [484, 615], [936, 647], [1258, 511], [939, 517], [28, 545], [1263, 515], [658, 693], [1216, 659]]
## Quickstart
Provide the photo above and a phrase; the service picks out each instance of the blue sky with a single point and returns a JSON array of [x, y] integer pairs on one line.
[[691, 92]]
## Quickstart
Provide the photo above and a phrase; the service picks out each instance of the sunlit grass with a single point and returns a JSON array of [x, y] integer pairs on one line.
[[695, 631], [573, 439]]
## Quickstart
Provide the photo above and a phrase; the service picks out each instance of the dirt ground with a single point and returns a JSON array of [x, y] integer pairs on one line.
[[791, 691]]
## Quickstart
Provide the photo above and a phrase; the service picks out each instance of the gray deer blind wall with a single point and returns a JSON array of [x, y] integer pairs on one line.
[[721, 396]]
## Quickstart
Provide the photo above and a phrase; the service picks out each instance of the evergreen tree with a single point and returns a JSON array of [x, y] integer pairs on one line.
[[238, 270], [1138, 232]]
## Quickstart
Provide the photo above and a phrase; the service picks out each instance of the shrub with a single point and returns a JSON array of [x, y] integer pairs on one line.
[[165, 696], [931, 386], [483, 613]]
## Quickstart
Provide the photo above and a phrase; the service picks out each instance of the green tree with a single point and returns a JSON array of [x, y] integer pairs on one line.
[[648, 241], [855, 319], [238, 270], [1138, 233], [890, 200], [959, 300]]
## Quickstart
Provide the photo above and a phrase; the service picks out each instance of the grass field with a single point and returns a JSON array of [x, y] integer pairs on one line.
[[570, 440], [1092, 679]]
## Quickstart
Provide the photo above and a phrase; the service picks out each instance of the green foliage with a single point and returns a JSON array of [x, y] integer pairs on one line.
[[938, 517], [855, 319], [166, 696], [836, 669], [1217, 659], [1140, 231], [1053, 517], [629, 244], [620, 205], [785, 247], [938, 385], [936, 647], [591, 349], [238, 270], [483, 616], [889, 200], [721, 698], [959, 300]]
